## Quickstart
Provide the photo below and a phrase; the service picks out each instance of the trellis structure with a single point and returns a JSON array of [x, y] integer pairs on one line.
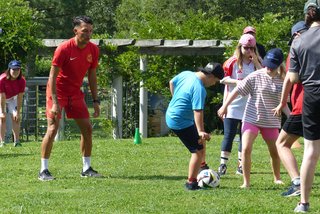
[[145, 48]]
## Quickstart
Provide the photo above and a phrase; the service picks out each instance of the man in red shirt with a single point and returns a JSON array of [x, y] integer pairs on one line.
[[72, 60]]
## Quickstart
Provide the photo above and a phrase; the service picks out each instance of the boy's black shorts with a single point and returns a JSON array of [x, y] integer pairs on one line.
[[189, 137], [293, 125]]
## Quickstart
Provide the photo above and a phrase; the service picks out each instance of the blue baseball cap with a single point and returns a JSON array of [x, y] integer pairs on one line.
[[273, 58], [14, 64], [299, 27]]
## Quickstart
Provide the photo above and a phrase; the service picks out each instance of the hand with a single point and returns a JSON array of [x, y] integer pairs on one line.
[[96, 108], [2, 115], [15, 116], [203, 136], [277, 112], [55, 110], [222, 112], [224, 79]]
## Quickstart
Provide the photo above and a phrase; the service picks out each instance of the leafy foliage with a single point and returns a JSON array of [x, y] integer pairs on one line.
[[20, 27]]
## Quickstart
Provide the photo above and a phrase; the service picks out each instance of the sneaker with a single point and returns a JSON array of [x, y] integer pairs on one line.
[[90, 173], [192, 186], [222, 170], [17, 144], [239, 170], [293, 190], [2, 144], [302, 208], [45, 175], [204, 167]]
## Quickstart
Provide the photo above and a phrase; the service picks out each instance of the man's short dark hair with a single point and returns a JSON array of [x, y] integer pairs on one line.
[[79, 19]]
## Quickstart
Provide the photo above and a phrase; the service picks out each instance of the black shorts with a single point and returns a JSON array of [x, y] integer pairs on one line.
[[293, 125], [311, 113], [189, 137]]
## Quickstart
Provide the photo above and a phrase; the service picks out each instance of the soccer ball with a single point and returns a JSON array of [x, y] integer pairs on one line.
[[208, 178]]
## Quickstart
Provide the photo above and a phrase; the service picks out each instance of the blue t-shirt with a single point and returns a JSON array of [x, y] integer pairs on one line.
[[189, 94]]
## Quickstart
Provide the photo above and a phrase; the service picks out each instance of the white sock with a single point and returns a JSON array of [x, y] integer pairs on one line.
[[224, 157], [86, 163], [44, 164], [296, 181]]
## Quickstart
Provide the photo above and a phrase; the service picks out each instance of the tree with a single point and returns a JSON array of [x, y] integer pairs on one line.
[[57, 16], [103, 13], [20, 27]]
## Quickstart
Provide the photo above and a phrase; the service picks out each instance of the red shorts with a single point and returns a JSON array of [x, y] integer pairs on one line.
[[74, 106]]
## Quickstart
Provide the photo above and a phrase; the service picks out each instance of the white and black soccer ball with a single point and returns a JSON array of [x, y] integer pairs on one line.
[[208, 178]]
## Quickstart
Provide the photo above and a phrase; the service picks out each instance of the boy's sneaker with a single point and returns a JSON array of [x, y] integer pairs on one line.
[[204, 167], [294, 190], [192, 186], [2, 144], [302, 208], [90, 173], [45, 175], [222, 170], [239, 170], [17, 144]]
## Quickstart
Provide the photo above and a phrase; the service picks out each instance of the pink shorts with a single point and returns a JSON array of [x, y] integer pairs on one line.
[[74, 106], [267, 133]]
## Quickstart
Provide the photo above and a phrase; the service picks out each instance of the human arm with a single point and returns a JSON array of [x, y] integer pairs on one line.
[[92, 78], [294, 77], [287, 86], [52, 82], [198, 119], [223, 110], [19, 105], [171, 87]]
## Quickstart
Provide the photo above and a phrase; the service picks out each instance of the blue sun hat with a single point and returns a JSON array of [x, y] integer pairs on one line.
[[14, 64], [273, 58]]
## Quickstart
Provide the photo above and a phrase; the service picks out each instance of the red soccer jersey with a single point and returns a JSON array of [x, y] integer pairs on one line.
[[296, 94], [74, 64], [11, 87]]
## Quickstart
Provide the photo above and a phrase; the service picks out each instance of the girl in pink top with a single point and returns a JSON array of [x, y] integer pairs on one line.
[[12, 86], [264, 89]]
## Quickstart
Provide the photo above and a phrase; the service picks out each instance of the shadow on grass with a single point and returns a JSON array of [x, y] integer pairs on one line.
[[150, 177], [14, 155]]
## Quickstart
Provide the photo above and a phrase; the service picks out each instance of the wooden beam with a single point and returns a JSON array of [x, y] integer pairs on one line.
[[177, 43], [149, 43], [185, 51], [206, 43], [119, 42]]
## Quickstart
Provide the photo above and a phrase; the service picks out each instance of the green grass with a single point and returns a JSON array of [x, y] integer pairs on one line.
[[146, 178]]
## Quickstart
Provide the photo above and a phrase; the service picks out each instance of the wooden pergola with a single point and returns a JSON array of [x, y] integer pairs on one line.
[[145, 48]]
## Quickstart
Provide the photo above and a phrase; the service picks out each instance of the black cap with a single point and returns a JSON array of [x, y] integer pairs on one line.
[[213, 68]]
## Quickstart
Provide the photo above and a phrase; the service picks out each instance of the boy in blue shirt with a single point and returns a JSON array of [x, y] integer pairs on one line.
[[184, 115]]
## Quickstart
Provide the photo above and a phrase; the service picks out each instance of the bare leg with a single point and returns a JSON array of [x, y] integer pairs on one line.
[[309, 162], [194, 164], [16, 130], [284, 143], [47, 142], [275, 159], [86, 136], [247, 142], [3, 128]]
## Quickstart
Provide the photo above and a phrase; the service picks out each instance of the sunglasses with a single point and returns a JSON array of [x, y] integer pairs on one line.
[[247, 48]]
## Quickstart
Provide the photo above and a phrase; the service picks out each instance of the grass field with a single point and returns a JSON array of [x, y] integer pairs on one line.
[[146, 178]]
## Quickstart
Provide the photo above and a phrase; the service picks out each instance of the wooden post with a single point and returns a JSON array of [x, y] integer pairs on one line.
[[143, 109], [116, 107]]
